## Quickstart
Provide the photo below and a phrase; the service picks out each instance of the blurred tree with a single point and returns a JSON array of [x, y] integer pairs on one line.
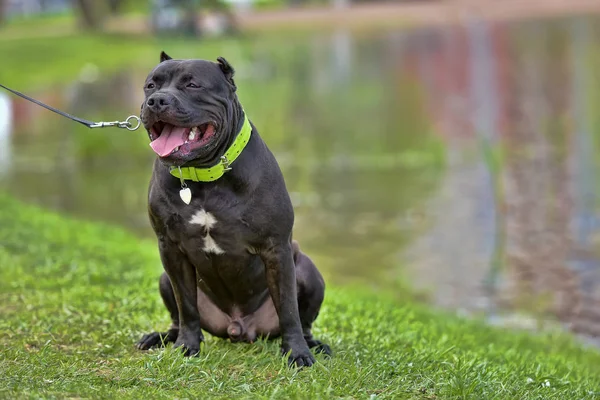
[[2, 10], [115, 6], [43, 5], [88, 14], [225, 9]]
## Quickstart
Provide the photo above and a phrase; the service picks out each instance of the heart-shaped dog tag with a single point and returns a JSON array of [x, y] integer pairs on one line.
[[186, 195]]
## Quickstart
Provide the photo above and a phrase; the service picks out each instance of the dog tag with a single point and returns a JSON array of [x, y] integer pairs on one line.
[[186, 195]]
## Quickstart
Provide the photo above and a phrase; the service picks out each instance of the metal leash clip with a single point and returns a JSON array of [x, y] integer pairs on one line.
[[127, 124]]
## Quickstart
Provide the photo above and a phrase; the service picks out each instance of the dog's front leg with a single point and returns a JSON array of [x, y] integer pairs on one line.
[[281, 279], [183, 280]]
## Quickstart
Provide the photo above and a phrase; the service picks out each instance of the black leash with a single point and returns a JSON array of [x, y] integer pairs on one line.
[[127, 124]]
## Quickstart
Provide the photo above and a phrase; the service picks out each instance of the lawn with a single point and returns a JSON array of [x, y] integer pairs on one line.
[[44, 52], [75, 296], [36, 62]]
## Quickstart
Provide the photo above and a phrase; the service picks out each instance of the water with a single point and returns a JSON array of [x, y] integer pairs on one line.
[[457, 162]]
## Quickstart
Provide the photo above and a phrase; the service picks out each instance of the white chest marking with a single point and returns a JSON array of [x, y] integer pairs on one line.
[[210, 246], [204, 219], [208, 221]]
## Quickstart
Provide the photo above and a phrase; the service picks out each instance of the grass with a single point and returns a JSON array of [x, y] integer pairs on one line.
[[34, 62], [50, 49], [75, 296]]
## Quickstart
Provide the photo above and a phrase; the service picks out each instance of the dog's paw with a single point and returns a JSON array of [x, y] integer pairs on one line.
[[319, 347], [189, 350], [299, 356], [157, 339]]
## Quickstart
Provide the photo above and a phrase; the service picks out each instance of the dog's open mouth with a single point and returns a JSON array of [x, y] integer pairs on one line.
[[169, 139]]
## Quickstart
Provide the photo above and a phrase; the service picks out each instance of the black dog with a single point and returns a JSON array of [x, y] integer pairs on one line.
[[232, 268]]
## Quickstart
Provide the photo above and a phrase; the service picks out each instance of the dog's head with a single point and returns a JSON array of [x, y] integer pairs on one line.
[[190, 109]]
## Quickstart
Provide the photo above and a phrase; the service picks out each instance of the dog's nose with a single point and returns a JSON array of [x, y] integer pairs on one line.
[[159, 101]]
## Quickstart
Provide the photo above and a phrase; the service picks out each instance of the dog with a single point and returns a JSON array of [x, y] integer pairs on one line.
[[223, 218]]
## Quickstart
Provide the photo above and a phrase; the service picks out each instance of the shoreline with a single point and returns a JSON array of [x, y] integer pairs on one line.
[[402, 15]]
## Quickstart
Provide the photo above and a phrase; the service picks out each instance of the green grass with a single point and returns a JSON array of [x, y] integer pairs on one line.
[[37, 26], [35, 62], [75, 296], [50, 50]]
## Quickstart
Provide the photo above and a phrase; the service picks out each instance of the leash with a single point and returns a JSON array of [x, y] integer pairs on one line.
[[132, 122]]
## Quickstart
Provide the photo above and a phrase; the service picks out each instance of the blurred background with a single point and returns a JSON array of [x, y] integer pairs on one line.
[[444, 150]]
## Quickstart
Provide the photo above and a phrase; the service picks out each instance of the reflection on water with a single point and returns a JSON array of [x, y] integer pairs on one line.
[[519, 221], [459, 161]]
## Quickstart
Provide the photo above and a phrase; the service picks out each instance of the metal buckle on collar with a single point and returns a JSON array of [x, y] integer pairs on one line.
[[225, 163]]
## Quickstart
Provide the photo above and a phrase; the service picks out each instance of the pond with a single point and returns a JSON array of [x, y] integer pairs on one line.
[[455, 162]]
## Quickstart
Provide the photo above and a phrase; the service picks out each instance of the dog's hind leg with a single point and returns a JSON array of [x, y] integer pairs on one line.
[[311, 291], [160, 339]]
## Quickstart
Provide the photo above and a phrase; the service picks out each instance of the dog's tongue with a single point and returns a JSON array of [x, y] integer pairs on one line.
[[170, 137]]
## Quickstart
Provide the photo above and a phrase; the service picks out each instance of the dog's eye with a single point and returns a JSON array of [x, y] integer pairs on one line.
[[150, 86], [192, 85]]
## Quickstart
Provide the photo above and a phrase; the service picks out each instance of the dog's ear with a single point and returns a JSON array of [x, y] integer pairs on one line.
[[164, 56], [228, 70]]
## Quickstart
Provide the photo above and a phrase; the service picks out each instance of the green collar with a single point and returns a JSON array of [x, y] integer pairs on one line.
[[215, 172]]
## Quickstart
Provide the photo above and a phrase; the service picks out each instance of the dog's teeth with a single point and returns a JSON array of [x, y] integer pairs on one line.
[[177, 148], [195, 131]]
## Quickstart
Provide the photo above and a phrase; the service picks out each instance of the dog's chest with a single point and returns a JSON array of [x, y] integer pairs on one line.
[[211, 230], [205, 229]]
